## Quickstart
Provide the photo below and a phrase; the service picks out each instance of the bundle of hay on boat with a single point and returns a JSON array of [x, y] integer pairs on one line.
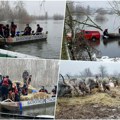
[[21, 83], [39, 95], [30, 88]]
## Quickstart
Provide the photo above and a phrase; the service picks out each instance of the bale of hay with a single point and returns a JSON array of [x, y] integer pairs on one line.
[[95, 90], [21, 83], [27, 97], [39, 95], [30, 89]]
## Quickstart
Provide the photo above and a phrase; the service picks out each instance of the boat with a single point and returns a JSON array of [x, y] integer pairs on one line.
[[23, 39], [10, 54], [46, 116], [14, 106], [112, 36]]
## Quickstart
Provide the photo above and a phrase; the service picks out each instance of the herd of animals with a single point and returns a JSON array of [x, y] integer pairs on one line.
[[69, 87]]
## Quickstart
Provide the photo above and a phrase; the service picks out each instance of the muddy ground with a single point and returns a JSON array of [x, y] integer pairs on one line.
[[95, 106], [88, 111]]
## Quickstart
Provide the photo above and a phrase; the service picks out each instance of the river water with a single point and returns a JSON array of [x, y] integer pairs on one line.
[[49, 49], [112, 23]]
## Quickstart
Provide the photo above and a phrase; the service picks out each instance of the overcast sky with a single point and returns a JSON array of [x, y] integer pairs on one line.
[[75, 67], [52, 7], [96, 4]]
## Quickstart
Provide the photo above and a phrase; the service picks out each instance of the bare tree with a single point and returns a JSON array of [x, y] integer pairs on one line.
[[21, 13], [87, 72], [115, 5], [103, 71], [5, 10], [78, 48]]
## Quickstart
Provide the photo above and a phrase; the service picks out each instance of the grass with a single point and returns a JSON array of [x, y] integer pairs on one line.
[[98, 98]]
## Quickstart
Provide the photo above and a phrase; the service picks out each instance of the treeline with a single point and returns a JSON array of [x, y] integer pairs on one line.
[[102, 72], [76, 8], [46, 17], [19, 13]]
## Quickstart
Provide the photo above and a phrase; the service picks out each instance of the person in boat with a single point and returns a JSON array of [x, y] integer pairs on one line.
[[9, 83], [39, 29], [1, 77], [54, 91], [25, 89], [0, 83], [33, 33], [119, 30], [29, 79], [27, 30], [17, 96], [1, 30], [4, 88], [25, 76], [13, 93], [18, 87], [105, 33], [6, 30], [13, 29], [43, 90]]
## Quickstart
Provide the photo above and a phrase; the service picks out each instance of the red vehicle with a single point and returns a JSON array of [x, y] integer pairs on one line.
[[87, 35]]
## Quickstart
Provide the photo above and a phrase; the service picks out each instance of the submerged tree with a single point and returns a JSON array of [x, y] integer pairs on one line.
[[115, 5]]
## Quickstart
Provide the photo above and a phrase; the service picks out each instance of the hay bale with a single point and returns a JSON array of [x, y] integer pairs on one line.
[[21, 83], [30, 89], [95, 90], [39, 95]]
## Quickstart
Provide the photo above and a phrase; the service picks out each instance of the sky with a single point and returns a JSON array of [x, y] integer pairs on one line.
[[52, 7], [96, 4], [75, 67]]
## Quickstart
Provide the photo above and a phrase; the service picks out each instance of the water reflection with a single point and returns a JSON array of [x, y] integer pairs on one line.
[[94, 43], [100, 18], [33, 111]]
